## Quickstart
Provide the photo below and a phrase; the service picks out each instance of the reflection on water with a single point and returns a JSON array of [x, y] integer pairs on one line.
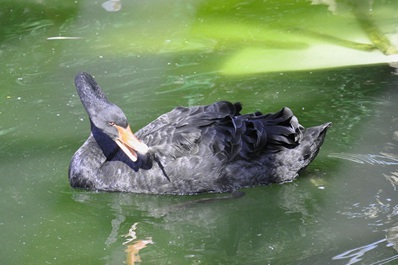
[[134, 245], [377, 206], [381, 206], [357, 254], [112, 5], [382, 159]]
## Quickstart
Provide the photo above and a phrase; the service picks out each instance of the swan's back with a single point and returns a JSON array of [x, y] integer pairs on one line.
[[217, 148]]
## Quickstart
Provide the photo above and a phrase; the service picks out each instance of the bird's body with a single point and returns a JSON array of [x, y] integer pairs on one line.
[[192, 150]]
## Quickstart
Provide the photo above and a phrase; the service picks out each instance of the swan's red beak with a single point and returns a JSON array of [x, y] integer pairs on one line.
[[129, 143]]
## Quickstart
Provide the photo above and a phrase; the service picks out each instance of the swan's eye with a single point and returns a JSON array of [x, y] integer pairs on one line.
[[111, 123]]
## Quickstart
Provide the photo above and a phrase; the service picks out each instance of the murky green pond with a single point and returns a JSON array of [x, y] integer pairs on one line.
[[150, 56]]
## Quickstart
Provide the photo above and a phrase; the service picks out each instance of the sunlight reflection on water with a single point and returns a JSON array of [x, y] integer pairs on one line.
[[383, 159], [357, 254]]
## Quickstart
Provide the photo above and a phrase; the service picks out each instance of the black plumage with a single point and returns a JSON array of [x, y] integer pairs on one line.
[[211, 148]]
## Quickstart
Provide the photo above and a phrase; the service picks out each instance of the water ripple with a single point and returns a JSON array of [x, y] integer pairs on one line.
[[356, 255], [382, 159]]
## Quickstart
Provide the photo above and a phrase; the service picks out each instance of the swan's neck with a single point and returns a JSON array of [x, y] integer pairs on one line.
[[85, 165]]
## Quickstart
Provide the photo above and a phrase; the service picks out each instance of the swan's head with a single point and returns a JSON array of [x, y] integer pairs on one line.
[[108, 117]]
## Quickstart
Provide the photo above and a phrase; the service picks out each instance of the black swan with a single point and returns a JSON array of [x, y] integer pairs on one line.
[[191, 150]]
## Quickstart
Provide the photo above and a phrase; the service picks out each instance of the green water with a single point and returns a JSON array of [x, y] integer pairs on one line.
[[151, 56]]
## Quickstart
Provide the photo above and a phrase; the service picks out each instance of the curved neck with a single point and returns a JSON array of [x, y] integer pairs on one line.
[[97, 163], [86, 166], [107, 145]]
